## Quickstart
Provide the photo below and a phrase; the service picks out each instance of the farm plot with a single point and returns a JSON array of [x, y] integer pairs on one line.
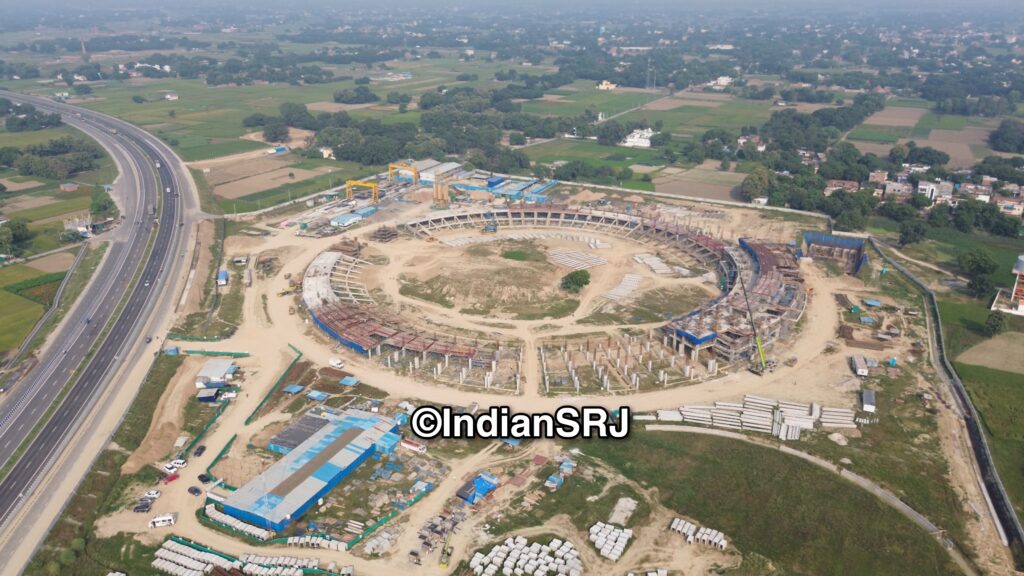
[[880, 134], [1001, 352], [704, 181], [896, 116], [589, 97], [696, 118]]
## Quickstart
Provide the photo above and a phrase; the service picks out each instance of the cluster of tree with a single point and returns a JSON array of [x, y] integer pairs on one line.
[[575, 281], [358, 95], [808, 95], [911, 153], [26, 117], [13, 235], [532, 87], [1006, 169], [1008, 137], [21, 70], [103, 43], [56, 159], [978, 266], [791, 130], [494, 158], [101, 205], [577, 170], [982, 106]]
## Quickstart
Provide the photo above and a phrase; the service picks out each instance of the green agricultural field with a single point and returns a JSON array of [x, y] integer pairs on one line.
[[999, 398], [54, 210], [22, 139], [932, 121], [944, 245], [881, 134], [908, 103], [587, 96], [17, 273], [19, 316], [694, 120], [775, 505], [293, 190], [615, 156]]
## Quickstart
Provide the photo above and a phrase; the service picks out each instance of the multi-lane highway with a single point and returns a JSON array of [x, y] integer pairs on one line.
[[149, 248]]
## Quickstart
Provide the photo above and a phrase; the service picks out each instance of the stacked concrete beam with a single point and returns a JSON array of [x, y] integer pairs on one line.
[[519, 557], [199, 555], [254, 531], [610, 540], [837, 418], [698, 534]]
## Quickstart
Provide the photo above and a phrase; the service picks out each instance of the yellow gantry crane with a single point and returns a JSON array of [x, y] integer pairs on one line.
[[351, 185], [392, 168]]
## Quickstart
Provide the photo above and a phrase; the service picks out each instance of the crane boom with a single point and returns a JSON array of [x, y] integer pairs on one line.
[[753, 326]]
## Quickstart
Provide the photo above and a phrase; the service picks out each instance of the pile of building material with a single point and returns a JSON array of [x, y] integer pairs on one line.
[[837, 418], [384, 234], [289, 561], [574, 259], [625, 288], [462, 241], [235, 523], [610, 540], [178, 559], [518, 556], [316, 542], [257, 570], [657, 265], [380, 543], [596, 244], [701, 535], [780, 418]]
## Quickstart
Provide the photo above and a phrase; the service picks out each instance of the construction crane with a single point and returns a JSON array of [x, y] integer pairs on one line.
[[760, 365], [392, 168], [351, 185]]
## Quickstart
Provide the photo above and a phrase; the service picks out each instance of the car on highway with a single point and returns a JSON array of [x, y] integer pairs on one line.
[[154, 494], [205, 478], [199, 450], [147, 284], [179, 463], [195, 490], [170, 468], [149, 339]]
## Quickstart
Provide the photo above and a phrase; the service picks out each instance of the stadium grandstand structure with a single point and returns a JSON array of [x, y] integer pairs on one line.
[[722, 329]]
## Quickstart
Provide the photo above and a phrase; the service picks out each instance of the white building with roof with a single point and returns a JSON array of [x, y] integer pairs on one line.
[[640, 138], [216, 373]]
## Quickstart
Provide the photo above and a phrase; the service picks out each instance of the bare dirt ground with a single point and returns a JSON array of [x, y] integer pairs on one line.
[[585, 196], [897, 117], [58, 262], [1002, 352], [26, 202], [194, 295], [265, 181], [228, 160], [673, 103], [808, 107], [13, 186], [336, 106], [167, 416], [955, 143], [876, 148], [644, 168], [223, 173], [713, 96]]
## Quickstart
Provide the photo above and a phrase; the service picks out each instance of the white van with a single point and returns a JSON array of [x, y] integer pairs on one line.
[[163, 520], [336, 363]]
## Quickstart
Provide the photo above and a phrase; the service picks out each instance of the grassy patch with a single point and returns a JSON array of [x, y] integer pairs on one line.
[[19, 316], [556, 309], [747, 491], [881, 134], [999, 398], [426, 291], [136, 423], [932, 121], [651, 306], [901, 452]]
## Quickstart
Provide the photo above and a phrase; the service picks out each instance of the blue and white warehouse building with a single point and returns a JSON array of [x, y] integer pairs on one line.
[[286, 490]]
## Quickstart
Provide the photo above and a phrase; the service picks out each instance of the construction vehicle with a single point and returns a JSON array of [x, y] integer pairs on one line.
[[446, 552], [490, 224], [286, 292], [760, 364]]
